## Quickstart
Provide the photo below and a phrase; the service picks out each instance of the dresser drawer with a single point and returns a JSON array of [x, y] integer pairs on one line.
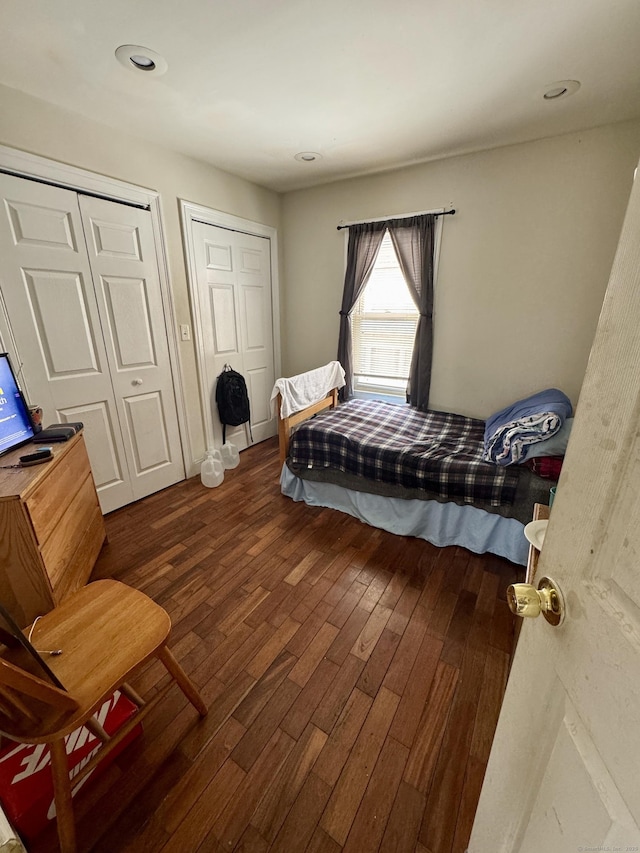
[[49, 501], [82, 513], [78, 571]]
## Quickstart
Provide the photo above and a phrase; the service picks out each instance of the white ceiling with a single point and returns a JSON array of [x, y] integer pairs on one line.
[[368, 84]]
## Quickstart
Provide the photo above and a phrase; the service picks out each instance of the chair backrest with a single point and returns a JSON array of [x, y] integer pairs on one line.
[[31, 697], [29, 706]]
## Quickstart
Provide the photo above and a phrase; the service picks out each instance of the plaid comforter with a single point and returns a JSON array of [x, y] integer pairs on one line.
[[438, 452]]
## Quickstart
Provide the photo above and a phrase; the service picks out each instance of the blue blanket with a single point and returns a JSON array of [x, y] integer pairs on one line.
[[509, 432]]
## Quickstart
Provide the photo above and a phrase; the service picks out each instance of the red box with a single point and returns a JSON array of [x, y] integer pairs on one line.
[[26, 785]]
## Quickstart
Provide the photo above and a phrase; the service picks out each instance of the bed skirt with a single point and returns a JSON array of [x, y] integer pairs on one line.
[[441, 524]]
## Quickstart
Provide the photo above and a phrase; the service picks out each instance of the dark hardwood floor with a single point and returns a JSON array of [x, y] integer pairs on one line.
[[354, 679]]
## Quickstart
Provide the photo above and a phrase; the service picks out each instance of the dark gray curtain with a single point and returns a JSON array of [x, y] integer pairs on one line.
[[413, 240], [364, 244]]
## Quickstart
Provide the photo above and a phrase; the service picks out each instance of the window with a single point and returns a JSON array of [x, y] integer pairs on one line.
[[383, 323]]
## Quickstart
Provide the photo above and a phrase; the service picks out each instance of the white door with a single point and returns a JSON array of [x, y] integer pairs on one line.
[[235, 321], [563, 771], [122, 256], [57, 322]]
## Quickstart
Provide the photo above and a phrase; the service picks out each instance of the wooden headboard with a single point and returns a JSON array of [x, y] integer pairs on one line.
[[285, 425]]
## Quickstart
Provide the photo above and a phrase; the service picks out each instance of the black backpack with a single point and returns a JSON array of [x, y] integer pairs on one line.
[[232, 399]]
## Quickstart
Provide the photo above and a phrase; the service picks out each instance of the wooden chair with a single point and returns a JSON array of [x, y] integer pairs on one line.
[[106, 631]]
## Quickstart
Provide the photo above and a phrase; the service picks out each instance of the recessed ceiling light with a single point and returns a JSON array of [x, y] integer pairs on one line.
[[138, 58], [144, 63], [561, 89], [307, 156]]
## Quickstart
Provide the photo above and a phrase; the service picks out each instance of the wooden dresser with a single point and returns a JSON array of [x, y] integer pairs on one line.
[[51, 529]]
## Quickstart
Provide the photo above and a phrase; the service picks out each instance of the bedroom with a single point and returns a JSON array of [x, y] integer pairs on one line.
[[546, 213]]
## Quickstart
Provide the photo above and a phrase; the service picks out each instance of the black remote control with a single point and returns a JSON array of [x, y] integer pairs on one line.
[[36, 458]]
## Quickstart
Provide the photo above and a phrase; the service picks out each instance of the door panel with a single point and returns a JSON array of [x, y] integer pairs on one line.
[[219, 257], [251, 261], [253, 305], [260, 385], [150, 445], [129, 322], [36, 225], [223, 319], [563, 770], [236, 321], [99, 432], [590, 800], [53, 313], [68, 348], [123, 262], [115, 240], [256, 327]]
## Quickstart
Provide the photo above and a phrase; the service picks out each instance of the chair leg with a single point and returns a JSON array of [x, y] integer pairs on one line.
[[97, 729], [131, 694], [184, 682], [62, 795]]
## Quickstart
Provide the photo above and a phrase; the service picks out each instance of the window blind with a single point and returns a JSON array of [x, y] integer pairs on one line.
[[384, 321]]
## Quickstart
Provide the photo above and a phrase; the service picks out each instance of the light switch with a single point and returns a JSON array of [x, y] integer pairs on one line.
[[185, 332]]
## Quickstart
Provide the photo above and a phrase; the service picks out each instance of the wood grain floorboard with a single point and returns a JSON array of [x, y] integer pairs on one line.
[[354, 679]]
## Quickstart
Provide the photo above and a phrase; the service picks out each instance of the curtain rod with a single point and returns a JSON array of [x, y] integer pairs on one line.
[[393, 218]]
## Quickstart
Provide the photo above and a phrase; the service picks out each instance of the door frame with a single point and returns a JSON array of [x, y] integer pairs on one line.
[[190, 213], [32, 166]]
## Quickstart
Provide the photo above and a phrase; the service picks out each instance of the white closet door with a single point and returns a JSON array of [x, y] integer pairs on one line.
[[122, 256], [53, 316], [236, 320], [78, 341]]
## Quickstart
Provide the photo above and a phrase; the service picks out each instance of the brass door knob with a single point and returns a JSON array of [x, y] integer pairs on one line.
[[527, 601]]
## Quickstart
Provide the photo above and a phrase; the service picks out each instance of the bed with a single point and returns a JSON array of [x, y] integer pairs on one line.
[[408, 472]]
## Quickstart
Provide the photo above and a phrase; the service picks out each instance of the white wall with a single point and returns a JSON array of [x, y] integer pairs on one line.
[[523, 269], [35, 126]]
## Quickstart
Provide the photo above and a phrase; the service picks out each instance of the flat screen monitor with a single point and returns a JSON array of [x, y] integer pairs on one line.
[[15, 423]]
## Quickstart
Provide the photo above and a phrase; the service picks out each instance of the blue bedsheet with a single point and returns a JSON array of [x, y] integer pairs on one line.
[[509, 432]]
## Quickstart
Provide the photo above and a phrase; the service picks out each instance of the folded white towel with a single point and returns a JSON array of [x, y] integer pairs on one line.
[[303, 390]]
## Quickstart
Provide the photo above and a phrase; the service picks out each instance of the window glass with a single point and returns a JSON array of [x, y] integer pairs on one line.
[[384, 323]]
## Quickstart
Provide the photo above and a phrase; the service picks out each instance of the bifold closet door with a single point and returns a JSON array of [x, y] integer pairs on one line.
[[78, 337], [123, 261], [236, 320]]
